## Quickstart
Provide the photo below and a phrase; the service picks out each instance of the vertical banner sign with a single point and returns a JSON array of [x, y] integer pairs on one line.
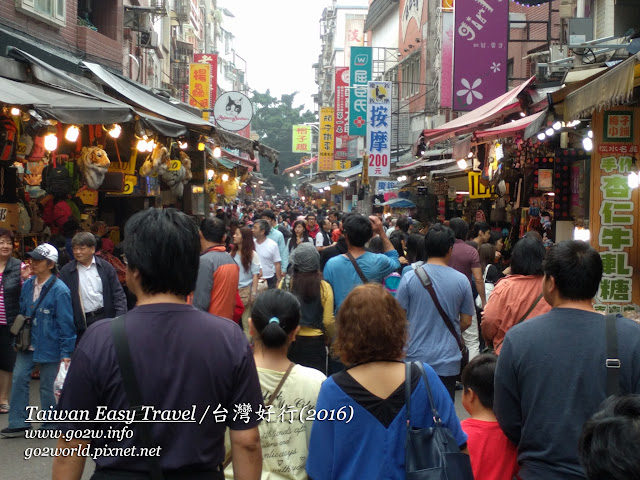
[[200, 86], [447, 60], [211, 59], [359, 76], [379, 128], [480, 52], [354, 36], [341, 121], [613, 206], [301, 139], [325, 141]]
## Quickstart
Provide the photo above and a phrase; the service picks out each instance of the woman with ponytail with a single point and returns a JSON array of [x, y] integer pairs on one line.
[[286, 387]]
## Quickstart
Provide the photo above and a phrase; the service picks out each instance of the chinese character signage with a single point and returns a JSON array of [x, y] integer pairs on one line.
[[211, 59], [613, 205], [359, 76], [412, 9], [618, 126], [325, 140], [301, 139], [480, 52], [354, 36], [378, 137], [386, 186], [200, 86], [341, 121]]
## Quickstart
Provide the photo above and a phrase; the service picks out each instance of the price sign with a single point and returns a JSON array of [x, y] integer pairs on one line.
[[130, 181], [175, 165]]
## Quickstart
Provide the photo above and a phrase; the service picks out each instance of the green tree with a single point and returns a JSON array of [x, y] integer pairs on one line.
[[273, 121]]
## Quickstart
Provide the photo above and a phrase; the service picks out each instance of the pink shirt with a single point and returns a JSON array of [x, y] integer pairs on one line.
[[463, 258]]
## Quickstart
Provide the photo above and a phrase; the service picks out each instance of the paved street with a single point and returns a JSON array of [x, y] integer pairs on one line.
[[16, 467]]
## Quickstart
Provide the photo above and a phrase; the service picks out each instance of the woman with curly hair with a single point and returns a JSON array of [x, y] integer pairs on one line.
[[370, 394]]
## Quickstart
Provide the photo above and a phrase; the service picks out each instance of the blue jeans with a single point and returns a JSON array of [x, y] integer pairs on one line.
[[20, 388]]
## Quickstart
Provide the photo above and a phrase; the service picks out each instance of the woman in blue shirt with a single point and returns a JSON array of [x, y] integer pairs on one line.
[[360, 418]]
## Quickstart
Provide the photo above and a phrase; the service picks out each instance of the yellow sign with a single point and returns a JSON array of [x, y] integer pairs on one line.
[[477, 189], [325, 140], [301, 139], [130, 181], [200, 86], [175, 165]]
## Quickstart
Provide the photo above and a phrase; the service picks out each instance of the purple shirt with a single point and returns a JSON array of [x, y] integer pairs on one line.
[[463, 258], [184, 359]]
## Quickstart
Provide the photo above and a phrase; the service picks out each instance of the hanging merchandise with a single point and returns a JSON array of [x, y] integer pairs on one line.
[[8, 184], [93, 163], [8, 138], [176, 175], [159, 156], [56, 180]]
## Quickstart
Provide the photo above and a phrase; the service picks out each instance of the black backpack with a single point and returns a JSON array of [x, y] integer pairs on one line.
[[56, 180]]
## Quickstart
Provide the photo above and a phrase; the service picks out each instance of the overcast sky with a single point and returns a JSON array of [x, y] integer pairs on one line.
[[280, 40]]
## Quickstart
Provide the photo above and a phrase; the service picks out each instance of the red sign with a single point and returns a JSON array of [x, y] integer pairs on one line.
[[617, 149], [211, 59], [341, 121]]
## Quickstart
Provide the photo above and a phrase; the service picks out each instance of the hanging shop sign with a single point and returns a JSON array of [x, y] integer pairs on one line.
[[200, 86], [476, 188], [233, 111], [385, 186], [211, 59], [480, 52], [359, 76], [325, 142], [354, 36], [447, 60], [301, 139], [341, 121], [378, 129]]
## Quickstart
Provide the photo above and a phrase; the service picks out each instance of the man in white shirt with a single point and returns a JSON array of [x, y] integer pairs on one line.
[[96, 292], [268, 252], [323, 238], [277, 236]]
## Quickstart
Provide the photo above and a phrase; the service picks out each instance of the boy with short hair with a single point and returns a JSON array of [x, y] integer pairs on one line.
[[493, 456]]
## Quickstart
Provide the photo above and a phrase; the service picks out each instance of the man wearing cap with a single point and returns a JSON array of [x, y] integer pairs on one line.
[[47, 302], [96, 292]]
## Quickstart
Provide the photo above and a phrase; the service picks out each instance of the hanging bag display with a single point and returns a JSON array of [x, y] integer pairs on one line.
[[432, 453]]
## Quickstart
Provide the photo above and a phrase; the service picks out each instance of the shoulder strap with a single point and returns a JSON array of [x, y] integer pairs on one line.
[[407, 393], [357, 267], [426, 283], [43, 293], [123, 354], [613, 362], [486, 270], [524, 317]]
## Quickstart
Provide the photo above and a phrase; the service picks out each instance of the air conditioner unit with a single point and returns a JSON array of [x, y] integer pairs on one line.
[[137, 21], [148, 39]]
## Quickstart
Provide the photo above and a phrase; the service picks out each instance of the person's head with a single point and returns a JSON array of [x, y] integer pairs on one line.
[[311, 221], [533, 235], [572, 271], [305, 258], [477, 381], [487, 254], [438, 242], [275, 316], [481, 232], [496, 240], [608, 446], [6, 243], [44, 259], [261, 229], [84, 247], [212, 230], [415, 248], [71, 227], [299, 228], [326, 225], [371, 326], [269, 216], [357, 230], [234, 224], [335, 226], [376, 245], [460, 228], [527, 257], [333, 216], [162, 252], [396, 241], [403, 223]]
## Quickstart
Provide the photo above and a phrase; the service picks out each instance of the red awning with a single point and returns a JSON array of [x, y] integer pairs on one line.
[[508, 129], [300, 165], [503, 106]]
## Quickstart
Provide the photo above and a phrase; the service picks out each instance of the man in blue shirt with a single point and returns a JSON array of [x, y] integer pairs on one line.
[[276, 236], [341, 273], [430, 340]]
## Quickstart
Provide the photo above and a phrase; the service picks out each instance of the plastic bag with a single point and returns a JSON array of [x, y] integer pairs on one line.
[[59, 381]]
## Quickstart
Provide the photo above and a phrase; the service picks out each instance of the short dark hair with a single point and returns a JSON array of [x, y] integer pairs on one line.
[[263, 225], [269, 214], [164, 247], [213, 229], [478, 376], [576, 268], [495, 236], [311, 215], [5, 232], [357, 229], [85, 239], [527, 257], [480, 227], [438, 240], [278, 304], [460, 227], [403, 223], [415, 248], [608, 446]]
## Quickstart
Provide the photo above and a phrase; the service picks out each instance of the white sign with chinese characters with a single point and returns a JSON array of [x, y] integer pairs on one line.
[[384, 186], [379, 128]]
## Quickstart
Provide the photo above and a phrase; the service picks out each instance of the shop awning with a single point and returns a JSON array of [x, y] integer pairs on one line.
[[64, 106], [357, 170], [502, 106], [614, 87], [511, 128], [300, 165], [399, 203], [320, 185]]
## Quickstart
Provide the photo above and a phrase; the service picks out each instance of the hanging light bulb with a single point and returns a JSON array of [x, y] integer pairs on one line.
[[201, 146], [50, 142], [183, 145], [115, 131], [291, 175], [541, 136], [462, 164], [151, 144], [142, 145], [590, 133], [210, 174], [297, 172], [72, 133], [15, 111], [587, 143], [225, 177], [557, 125], [633, 180], [549, 131], [217, 152]]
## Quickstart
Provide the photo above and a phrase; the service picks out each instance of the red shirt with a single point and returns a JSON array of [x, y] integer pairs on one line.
[[493, 456]]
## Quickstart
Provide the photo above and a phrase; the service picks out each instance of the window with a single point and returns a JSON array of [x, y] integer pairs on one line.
[[50, 11], [410, 77]]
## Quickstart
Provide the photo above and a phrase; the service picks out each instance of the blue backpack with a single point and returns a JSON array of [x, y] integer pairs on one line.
[[391, 282]]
